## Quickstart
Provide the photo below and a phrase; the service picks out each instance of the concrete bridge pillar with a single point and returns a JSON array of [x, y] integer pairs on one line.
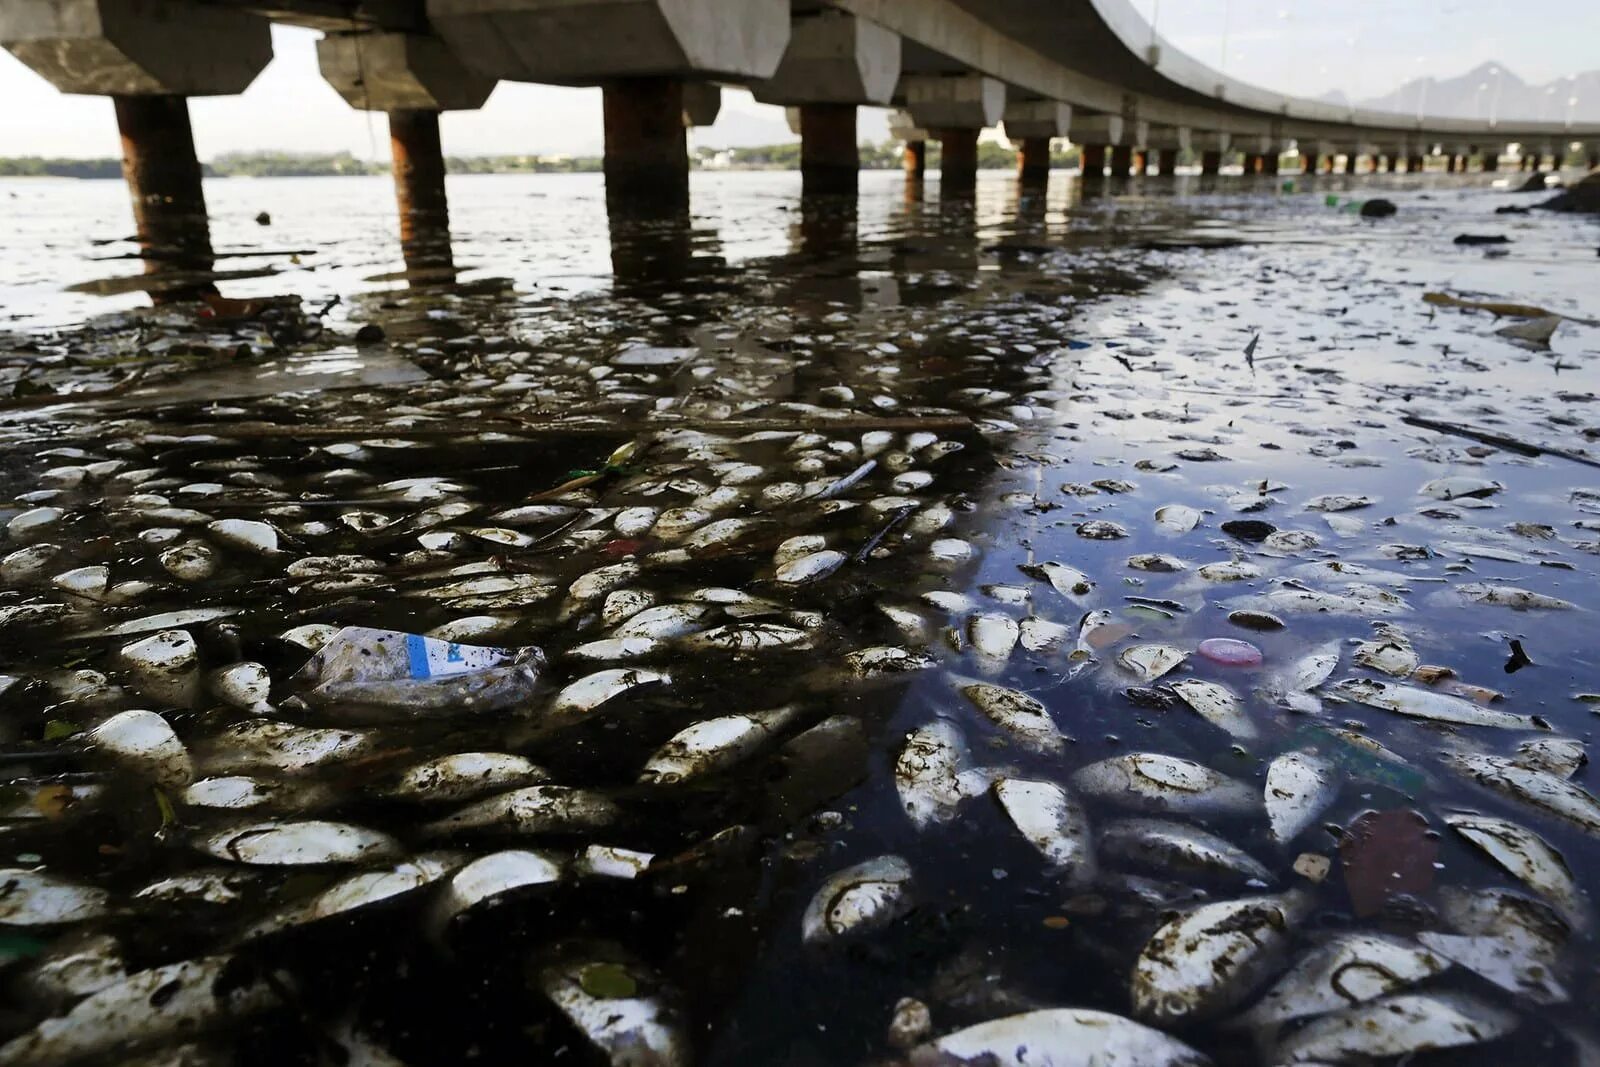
[[702, 103], [1391, 162], [1351, 160], [1211, 161], [1032, 125], [149, 56], [1033, 161], [1270, 162], [1121, 161], [1491, 159], [1593, 156], [646, 144], [1167, 161], [412, 77], [916, 159], [1094, 160], [956, 108], [833, 62], [1308, 160], [1415, 164]]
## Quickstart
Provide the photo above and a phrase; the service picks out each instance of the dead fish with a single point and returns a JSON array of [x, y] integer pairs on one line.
[[1358, 599], [244, 686], [1300, 786], [594, 585], [993, 637], [1149, 662], [1217, 704], [664, 621], [537, 809], [616, 649], [1235, 570], [620, 1005], [1351, 968], [748, 637], [1291, 687], [1560, 756], [1501, 962], [464, 775], [1204, 963], [145, 744], [1178, 518], [1432, 705], [1068, 581], [37, 898], [1531, 927], [153, 1007], [1018, 714], [295, 843], [358, 891], [860, 899], [489, 877], [1041, 635], [240, 793], [1161, 846], [1152, 781], [880, 660], [1058, 1037], [932, 776], [1157, 562], [1459, 486], [592, 691], [609, 861], [714, 745], [264, 744], [1102, 530], [1390, 652], [1510, 596], [1052, 821], [1339, 502], [165, 667], [246, 535], [1529, 858], [1397, 1026]]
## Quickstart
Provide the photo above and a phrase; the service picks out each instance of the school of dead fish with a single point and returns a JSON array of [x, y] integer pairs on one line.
[[253, 748]]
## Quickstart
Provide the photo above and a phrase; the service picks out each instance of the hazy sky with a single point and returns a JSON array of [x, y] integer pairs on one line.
[[1363, 47]]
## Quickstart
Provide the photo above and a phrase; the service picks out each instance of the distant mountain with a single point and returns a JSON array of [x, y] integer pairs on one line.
[[1492, 91]]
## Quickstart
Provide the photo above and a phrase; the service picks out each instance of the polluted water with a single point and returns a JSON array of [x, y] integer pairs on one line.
[[1135, 628]]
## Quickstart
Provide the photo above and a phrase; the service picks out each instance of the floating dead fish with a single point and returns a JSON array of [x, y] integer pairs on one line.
[[241, 793], [1429, 704], [1068, 581], [1217, 704], [1339, 502], [748, 637], [37, 898], [262, 744], [615, 649], [145, 744], [1058, 1037], [246, 534], [464, 775], [1352, 968], [1300, 786], [1510, 596], [165, 667], [1459, 486], [1236, 570], [1528, 857], [619, 1005], [811, 567], [608, 861], [1151, 781], [1178, 518], [879, 660], [1397, 1026], [1292, 686], [358, 891], [1560, 756], [1018, 714], [1532, 927], [1500, 962], [296, 843], [664, 621], [1164, 847], [1203, 964], [858, 900], [1390, 652], [1041, 635], [244, 686], [1102, 530], [1149, 662], [164, 1004], [932, 775], [714, 745], [993, 637], [1157, 562], [537, 809], [491, 876], [1357, 599], [592, 691], [1053, 821]]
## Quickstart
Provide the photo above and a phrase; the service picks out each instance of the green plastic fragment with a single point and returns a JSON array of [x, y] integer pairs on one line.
[[608, 981]]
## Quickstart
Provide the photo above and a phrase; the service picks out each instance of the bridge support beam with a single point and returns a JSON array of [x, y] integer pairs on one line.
[[829, 159], [958, 159], [163, 175], [419, 190], [915, 159], [646, 146]]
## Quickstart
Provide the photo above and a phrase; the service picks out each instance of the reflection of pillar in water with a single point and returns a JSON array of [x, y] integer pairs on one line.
[[163, 176], [419, 190], [646, 145], [650, 245]]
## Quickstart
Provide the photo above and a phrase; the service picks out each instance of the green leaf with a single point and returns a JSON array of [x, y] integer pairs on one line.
[[608, 981]]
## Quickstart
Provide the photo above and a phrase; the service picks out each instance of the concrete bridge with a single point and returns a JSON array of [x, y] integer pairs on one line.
[[1090, 70]]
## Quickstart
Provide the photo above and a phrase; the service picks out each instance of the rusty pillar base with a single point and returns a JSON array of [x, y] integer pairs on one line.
[[829, 160], [916, 159], [1094, 160], [1415, 165], [1308, 163], [1167, 161], [419, 193], [1141, 163], [1033, 161], [958, 160], [1211, 162], [1121, 161], [647, 147], [1351, 162], [169, 207]]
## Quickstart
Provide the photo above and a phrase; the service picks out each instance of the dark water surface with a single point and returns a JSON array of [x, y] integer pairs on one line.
[[1002, 376]]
